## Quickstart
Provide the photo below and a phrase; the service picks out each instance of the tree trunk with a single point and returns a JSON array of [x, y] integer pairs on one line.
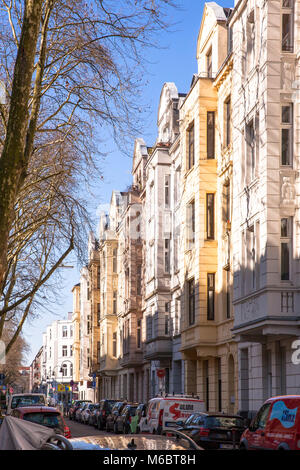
[[13, 165]]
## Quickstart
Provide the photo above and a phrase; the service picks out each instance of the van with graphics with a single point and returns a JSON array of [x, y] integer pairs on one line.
[[171, 411], [276, 426]]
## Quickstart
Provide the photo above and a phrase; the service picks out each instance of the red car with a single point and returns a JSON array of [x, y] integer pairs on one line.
[[276, 426], [45, 416]]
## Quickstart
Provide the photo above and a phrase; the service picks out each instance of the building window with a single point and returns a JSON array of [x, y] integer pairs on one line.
[[286, 134], [190, 225], [98, 352], [167, 255], [167, 318], [64, 369], [191, 301], [98, 313], [210, 216], [115, 251], [71, 350], [114, 344], [64, 331], [149, 327], [227, 286], [210, 134], [114, 302], [139, 334], [139, 280], [227, 116], [88, 325], [226, 217], [209, 63], [177, 316], [191, 146], [65, 351], [88, 359], [286, 248], [287, 23], [250, 41], [71, 331], [210, 296], [250, 150], [167, 191], [98, 277]]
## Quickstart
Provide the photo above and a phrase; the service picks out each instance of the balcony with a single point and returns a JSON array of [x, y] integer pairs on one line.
[[269, 312], [158, 348], [132, 359]]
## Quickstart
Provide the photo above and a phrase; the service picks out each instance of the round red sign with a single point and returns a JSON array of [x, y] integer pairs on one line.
[[161, 373]]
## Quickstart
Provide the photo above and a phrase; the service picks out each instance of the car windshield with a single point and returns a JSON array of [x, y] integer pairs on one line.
[[224, 422], [132, 410], [51, 420], [27, 400], [189, 419]]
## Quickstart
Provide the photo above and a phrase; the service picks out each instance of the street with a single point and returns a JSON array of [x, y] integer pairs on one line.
[[81, 430]]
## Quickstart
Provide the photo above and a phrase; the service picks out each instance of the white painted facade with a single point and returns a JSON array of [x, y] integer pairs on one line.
[[266, 235], [58, 356]]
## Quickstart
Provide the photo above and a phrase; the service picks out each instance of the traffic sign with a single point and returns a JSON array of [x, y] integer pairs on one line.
[[161, 373]]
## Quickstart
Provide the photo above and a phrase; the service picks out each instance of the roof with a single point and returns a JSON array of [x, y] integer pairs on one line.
[[37, 409], [283, 397]]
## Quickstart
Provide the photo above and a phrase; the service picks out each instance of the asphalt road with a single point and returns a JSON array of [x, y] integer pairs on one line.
[[81, 430]]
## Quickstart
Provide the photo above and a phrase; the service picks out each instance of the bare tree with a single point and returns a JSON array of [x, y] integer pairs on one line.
[[14, 359], [70, 67]]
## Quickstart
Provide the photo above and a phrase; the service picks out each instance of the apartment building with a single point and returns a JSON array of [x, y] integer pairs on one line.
[[35, 373], [85, 389], [265, 228], [94, 320], [161, 282], [76, 333], [206, 342], [57, 362], [109, 348]]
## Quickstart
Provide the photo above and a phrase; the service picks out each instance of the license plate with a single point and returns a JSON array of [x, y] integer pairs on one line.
[[226, 446]]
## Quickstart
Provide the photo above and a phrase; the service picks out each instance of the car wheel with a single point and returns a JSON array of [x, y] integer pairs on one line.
[[106, 427], [116, 428]]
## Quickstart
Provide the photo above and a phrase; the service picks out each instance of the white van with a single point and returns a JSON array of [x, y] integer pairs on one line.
[[171, 411], [25, 399]]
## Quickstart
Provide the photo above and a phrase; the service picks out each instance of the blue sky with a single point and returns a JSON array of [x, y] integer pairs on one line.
[[175, 62]]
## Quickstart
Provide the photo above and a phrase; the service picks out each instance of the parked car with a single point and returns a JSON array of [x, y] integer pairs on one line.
[[115, 412], [175, 441], [74, 407], [123, 421], [45, 416], [171, 411], [25, 399], [92, 417], [105, 407], [214, 430], [78, 413], [17, 434], [275, 426], [138, 419], [86, 413]]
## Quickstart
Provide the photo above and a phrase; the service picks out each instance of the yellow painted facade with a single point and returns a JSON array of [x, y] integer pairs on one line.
[[209, 352]]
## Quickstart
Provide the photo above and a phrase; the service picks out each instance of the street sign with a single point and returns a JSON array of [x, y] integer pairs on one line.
[[161, 373]]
